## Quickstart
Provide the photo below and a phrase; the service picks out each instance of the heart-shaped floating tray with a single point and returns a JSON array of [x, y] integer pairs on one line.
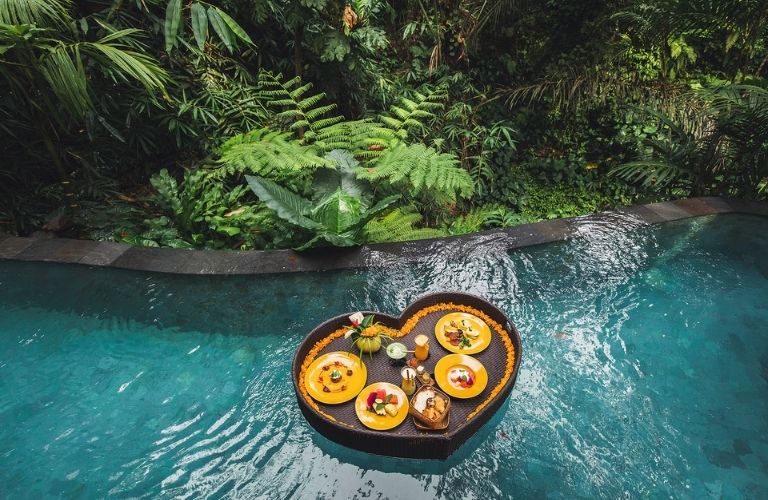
[[339, 422]]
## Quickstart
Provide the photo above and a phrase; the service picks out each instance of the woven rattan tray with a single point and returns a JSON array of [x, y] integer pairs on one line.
[[339, 422]]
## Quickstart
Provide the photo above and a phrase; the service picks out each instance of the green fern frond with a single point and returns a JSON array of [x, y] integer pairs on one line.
[[422, 171], [475, 220], [299, 124], [413, 114], [365, 139], [269, 154], [327, 122], [310, 101], [300, 112], [399, 225], [299, 91]]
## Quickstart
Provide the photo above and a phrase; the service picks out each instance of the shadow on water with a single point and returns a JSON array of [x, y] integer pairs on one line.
[[381, 463]]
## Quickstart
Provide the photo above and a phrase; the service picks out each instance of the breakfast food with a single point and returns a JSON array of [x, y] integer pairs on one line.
[[430, 404], [460, 333], [381, 403], [461, 378], [332, 376], [390, 409]]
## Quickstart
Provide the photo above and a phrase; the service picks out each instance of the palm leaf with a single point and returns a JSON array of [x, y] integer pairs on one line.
[[124, 64], [38, 12], [62, 68]]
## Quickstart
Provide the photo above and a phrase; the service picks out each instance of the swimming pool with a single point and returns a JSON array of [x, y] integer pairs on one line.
[[645, 373]]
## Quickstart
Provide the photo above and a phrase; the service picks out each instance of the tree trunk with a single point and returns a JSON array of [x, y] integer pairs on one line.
[[298, 53]]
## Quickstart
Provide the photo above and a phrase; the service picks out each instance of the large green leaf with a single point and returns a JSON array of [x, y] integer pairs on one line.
[[199, 24], [343, 177], [221, 28], [337, 240], [338, 211], [234, 27], [288, 205], [172, 23]]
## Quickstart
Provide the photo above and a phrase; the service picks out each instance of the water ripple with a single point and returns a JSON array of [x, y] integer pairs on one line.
[[179, 387]]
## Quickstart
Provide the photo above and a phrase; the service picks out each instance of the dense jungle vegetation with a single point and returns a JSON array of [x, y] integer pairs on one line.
[[250, 124]]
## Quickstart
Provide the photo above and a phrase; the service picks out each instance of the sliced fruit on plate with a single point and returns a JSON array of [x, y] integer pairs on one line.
[[381, 413]]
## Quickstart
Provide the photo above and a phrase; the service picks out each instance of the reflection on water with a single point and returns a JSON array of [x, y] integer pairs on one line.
[[644, 373]]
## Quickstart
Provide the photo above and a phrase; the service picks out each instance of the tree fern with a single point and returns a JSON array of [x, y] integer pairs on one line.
[[422, 171], [301, 113], [267, 153], [399, 225], [412, 114], [365, 139], [368, 138]]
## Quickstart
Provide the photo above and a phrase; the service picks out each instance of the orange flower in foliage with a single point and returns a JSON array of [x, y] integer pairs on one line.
[[349, 18]]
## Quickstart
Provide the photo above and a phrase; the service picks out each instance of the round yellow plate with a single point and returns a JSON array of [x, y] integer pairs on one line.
[[477, 345], [450, 367], [381, 422], [318, 375]]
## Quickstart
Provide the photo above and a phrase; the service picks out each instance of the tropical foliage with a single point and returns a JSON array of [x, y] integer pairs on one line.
[[297, 123]]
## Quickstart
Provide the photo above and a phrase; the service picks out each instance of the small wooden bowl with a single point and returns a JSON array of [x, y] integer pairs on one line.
[[423, 422], [443, 424]]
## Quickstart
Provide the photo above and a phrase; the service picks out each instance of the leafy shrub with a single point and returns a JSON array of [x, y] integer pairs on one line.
[[337, 217], [400, 224], [202, 212]]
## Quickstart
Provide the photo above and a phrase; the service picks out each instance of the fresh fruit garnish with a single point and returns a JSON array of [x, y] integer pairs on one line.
[[379, 400], [371, 399], [462, 378]]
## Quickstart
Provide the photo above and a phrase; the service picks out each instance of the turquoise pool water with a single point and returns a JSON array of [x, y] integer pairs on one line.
[[645, 374]]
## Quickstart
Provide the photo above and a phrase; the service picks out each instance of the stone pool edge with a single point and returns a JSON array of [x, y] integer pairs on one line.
[[226, 262]]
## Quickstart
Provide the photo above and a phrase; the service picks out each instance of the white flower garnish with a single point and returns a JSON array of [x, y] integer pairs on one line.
[[356, 318]]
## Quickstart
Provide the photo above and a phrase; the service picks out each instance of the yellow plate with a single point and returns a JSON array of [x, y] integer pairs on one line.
[[318, 375], [381, 422], [449, 371], [477, 345]]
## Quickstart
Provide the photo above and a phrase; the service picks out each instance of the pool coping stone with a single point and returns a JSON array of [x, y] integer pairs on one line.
[[248, 262]]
